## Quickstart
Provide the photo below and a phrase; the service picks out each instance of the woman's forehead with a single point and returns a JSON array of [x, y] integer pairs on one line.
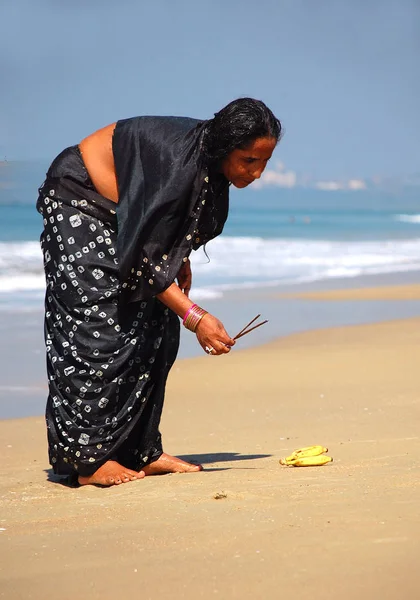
[[259, 148]]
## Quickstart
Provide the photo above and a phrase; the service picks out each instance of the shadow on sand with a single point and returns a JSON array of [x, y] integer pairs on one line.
[[217, 457]]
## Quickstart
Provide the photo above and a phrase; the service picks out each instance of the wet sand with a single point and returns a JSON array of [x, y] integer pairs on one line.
[[289, 308], [386, 292], [245, 527]]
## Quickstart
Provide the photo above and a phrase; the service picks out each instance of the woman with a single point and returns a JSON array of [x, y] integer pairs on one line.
[[122, 212]]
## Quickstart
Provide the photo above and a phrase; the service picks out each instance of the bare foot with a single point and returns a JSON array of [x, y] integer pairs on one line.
[[111, 473], [170, 464]]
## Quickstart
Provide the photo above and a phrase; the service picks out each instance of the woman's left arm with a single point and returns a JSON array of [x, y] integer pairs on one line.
[[210, 331], [174, 299], [175, 296], [185, 278]]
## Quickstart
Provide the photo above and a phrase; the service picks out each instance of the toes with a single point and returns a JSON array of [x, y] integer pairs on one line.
[[110, 474], [134, 474], [128, 475], [131, 476], [191, 469]]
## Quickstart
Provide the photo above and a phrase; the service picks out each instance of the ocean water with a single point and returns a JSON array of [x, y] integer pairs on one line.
[[273, 236]]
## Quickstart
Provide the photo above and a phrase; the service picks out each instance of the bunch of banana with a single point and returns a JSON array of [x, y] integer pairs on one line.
[[311, 456]]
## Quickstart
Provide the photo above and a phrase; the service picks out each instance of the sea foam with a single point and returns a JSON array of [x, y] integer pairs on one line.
[[236, 262]]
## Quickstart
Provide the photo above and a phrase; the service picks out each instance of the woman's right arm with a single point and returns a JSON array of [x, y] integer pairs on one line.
[[210, 331]]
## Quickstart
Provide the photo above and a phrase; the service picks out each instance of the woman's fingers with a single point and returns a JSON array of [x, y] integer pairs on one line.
[[216, 347], [224, 349], [185, 278], [184, 286], [212, 335], [225, 339]]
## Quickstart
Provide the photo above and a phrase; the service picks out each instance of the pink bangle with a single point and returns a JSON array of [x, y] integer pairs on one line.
[[193, 316], [187, 313]]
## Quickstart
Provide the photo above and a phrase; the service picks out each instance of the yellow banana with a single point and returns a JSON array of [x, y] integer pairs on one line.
[[312, 461], [302, 453], [310, 451], [306, 461]]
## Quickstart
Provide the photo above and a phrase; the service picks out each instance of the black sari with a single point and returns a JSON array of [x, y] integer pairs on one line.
[[110, 342]]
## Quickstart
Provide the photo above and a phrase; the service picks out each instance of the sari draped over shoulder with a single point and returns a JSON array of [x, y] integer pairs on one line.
[[167, 203], [110, 342]]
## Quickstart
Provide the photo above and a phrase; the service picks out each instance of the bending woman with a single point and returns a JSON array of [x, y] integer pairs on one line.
[[122, 212]]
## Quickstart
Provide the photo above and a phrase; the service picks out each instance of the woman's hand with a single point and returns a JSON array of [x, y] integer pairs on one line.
[[210, 331], [211, 334], [184, 278]]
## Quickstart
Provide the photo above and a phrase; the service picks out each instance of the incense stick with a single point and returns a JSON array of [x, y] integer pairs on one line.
[[249, 330], [246, 327]]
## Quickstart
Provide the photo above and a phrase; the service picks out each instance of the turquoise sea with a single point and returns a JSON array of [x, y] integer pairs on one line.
[[273, 236]]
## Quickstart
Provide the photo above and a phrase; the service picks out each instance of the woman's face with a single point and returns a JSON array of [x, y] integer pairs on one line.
[[243, 166]]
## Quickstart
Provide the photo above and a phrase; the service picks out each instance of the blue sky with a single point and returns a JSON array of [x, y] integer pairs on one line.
[[342, 75]]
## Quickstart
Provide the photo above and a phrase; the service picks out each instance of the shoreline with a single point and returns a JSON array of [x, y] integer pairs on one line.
[[289, 309], [348, 529]]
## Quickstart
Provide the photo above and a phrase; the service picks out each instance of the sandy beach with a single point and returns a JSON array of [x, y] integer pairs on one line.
[[383, 292], [245, 527]]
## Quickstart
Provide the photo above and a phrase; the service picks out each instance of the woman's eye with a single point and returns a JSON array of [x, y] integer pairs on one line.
[[249, 160]]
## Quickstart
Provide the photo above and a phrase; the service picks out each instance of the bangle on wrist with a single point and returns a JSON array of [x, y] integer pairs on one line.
[[193, 316]]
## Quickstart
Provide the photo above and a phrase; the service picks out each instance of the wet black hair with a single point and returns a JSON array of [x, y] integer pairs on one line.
[[237, 125]]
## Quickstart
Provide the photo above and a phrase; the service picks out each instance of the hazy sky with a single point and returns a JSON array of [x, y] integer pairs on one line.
[[342, 75]]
